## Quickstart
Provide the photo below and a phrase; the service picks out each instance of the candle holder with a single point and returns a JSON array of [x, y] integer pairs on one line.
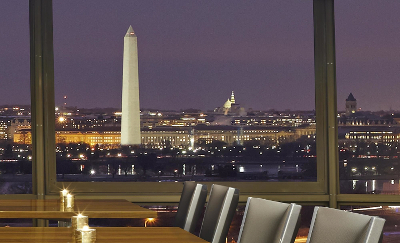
[[63, 193], [62, 207], [85, 235], [78, 222], [69, 202]]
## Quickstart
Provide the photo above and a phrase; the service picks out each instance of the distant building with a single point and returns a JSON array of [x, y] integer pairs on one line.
[[376, 134], [354, 117], [177, 137], [230, 107], [351, 105]]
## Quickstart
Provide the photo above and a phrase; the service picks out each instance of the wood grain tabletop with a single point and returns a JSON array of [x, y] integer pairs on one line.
[[103, 234], [52, 209]]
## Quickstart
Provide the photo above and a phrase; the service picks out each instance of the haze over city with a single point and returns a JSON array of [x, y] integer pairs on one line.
[[192, 54]]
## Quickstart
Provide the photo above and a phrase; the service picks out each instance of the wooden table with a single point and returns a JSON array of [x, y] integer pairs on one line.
[[51, 209], [103, 234]]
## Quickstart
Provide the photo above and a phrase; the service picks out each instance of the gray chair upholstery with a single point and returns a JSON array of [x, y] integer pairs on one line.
[[191, 205], [330, 225], [267, 221], [219, 213]]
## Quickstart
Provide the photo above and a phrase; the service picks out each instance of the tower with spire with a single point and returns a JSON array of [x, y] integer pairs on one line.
[[130, 120], [233, 98], [351, 105]]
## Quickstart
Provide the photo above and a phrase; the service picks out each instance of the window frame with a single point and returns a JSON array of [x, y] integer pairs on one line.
[[43, 126]]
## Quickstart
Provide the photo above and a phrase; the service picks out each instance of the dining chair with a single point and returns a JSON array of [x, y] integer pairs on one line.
[[219, 213], [330, 225], [266, 221], [191, 205]]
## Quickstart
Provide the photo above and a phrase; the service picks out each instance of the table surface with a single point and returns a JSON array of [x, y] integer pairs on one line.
[[103, 234], [93, 208]]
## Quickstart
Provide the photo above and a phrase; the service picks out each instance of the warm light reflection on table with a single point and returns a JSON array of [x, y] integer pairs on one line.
[[301, 239], [93, 208], [103, 234]]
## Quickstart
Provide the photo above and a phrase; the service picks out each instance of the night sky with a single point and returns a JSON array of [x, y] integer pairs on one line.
[[192, 54]]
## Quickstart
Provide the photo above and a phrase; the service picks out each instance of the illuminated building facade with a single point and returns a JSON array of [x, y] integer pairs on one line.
[[3, 129], [385, 136], [177, 137]]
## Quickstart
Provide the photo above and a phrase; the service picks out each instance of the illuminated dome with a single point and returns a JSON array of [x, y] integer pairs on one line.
[[227, 104]]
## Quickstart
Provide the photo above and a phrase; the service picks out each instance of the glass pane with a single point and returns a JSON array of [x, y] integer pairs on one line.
[[15, 109], [16, 223], [367, 77], [222, 87], [390, 213]]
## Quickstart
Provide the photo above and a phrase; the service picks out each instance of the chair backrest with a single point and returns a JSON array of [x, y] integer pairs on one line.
[[269, 221], [191, 205], [330, 225], [219, 213]]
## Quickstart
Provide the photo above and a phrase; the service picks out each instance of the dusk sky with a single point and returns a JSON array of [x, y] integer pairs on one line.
[[192, 54]]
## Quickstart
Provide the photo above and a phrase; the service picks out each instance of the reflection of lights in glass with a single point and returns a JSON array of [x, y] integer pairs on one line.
[[373, 185], [241, 169], [92, 172], [61, 119], [354, 184], [370, 208]]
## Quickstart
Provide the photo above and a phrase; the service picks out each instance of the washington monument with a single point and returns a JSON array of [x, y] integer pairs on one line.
[[130, 121]]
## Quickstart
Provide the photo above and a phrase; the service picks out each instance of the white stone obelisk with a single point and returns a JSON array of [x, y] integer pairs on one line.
[[130, 120]]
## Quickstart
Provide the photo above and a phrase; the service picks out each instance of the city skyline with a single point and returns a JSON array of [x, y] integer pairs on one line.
[[198, 54]]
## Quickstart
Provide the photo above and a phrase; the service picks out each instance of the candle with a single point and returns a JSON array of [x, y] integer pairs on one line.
[[63, 193], [79, 221], [86, 235], [69, 201]]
